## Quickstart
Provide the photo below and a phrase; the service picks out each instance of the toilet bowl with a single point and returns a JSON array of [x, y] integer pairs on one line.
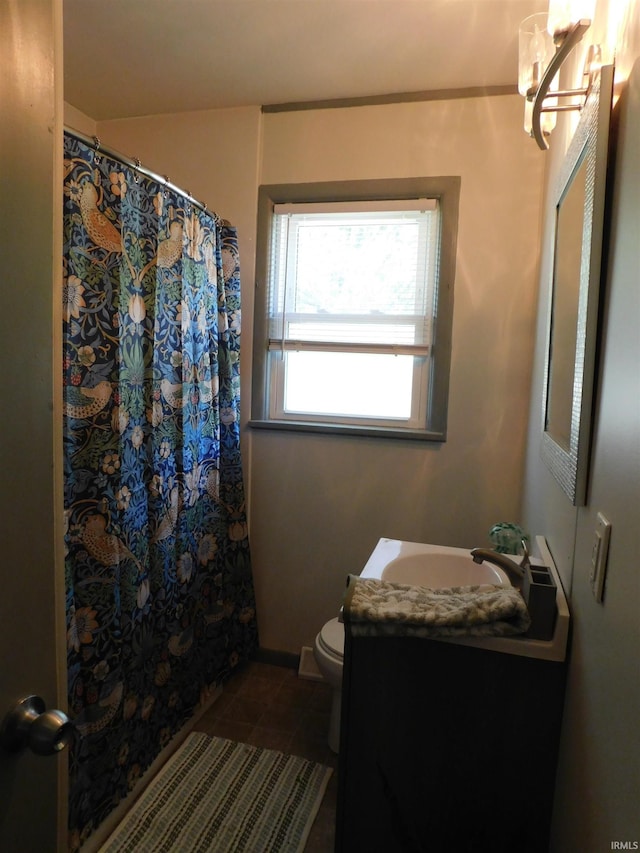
[[328, 651]]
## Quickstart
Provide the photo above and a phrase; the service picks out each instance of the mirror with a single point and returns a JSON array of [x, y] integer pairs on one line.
[[564, 308], [575, 288]]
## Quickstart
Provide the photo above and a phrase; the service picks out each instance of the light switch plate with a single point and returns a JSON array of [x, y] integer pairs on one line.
[[599, 555]]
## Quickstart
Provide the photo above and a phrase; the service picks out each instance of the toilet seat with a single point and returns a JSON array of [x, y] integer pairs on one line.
[[331, 639]]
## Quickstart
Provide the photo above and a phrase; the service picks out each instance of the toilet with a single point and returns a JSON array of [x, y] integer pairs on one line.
[[328, 651]]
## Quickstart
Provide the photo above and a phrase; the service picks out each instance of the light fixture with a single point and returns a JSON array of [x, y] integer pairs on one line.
[[545, 41], [536, 50]]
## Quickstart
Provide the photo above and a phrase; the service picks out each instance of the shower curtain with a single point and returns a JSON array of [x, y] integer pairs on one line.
[[159, 591]]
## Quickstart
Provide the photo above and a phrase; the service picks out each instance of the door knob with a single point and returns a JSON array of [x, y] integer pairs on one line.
[[29, 724]]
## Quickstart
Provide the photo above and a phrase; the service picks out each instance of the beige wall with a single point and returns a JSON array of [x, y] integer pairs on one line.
[[318, 504], [598, 787], [75, 119]]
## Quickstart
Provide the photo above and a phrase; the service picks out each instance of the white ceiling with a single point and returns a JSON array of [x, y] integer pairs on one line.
[[126, 58]]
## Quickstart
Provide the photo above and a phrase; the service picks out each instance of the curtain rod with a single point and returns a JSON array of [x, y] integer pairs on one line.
[[98, 147]]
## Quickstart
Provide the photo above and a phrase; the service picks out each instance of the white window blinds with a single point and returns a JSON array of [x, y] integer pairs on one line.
[[354, 276]]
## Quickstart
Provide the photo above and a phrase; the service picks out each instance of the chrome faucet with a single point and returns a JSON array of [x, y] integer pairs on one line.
[[510, 566]]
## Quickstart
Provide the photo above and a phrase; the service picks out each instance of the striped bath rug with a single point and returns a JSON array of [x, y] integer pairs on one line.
[[217, 795]]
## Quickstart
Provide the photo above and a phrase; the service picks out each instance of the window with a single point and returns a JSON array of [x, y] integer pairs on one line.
[[353, 325]]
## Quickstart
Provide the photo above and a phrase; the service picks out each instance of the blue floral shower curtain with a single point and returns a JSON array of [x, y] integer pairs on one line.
[[160, 599]]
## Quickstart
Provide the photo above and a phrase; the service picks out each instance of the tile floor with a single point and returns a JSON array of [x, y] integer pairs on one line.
[[270, 706]]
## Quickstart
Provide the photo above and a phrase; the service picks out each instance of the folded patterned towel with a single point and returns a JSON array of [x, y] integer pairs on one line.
[[378, 608]]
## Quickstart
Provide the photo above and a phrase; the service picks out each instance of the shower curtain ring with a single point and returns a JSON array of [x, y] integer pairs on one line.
[[96, 149], [136, 166], [165, 193]]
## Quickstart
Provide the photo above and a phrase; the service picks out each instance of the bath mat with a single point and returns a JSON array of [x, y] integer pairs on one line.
[[218, 795]]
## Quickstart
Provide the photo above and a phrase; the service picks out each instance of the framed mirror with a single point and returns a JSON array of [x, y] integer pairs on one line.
[[575, 289]]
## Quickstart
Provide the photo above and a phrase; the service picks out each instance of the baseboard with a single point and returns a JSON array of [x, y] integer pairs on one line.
[[277, 658]]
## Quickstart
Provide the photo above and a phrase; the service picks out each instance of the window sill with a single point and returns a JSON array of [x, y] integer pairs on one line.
[[350, 430]]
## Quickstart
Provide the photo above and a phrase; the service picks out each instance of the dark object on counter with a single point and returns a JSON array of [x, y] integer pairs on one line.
[[539, 593]]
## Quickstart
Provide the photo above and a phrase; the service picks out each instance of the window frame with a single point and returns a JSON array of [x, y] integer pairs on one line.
[[447, 192]]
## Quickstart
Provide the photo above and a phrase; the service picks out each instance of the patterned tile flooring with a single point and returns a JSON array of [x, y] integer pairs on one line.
[[270, 706]]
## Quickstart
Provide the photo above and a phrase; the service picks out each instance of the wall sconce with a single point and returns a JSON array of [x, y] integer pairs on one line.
[[545, 41]]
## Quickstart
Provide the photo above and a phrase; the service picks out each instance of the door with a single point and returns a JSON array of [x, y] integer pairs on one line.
[[31, 593]]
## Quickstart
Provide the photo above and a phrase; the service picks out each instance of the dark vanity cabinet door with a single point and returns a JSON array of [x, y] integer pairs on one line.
[[446, 747]]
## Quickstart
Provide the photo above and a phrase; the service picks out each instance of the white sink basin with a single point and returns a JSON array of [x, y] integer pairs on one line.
[[433, 566], [439, 567], [439, 571]]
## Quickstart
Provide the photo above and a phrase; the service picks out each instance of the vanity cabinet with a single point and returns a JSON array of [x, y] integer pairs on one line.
[[446, 747]]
